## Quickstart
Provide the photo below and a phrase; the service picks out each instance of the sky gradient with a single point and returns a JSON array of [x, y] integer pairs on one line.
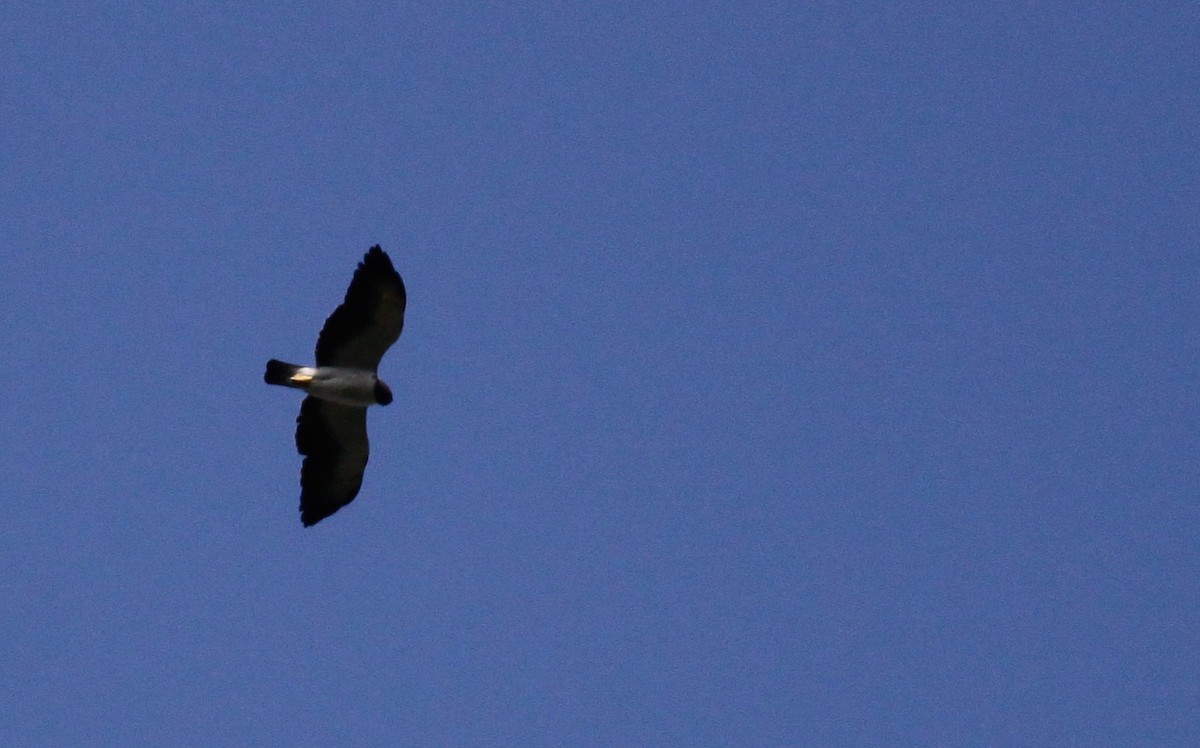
[[774, 374]]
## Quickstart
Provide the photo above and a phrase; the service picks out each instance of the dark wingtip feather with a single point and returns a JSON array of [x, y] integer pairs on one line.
[[378, 260]]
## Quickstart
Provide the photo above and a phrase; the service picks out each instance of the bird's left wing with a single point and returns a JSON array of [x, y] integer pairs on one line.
[[333, 440]]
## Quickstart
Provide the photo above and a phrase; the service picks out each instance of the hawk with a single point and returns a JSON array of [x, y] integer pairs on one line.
[[331, 430]]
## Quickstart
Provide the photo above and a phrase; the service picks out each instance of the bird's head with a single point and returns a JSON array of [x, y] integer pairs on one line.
[[383, 393]]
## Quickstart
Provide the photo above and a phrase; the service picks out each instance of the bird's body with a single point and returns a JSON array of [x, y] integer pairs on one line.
[[331, 430], [337, 384]]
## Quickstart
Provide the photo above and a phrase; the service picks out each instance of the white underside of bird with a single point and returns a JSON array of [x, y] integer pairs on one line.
[[338, 384]]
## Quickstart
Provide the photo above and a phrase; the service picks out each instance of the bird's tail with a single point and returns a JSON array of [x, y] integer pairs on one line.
[[280, 373]]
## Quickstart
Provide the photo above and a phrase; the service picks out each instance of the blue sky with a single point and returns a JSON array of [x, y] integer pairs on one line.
[[774, 373]]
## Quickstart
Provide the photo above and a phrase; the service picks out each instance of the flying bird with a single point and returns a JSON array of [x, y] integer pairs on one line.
[[331, 430]]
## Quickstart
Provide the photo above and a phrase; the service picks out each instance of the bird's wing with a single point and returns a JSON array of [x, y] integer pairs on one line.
[[366, 324], [333, 440]]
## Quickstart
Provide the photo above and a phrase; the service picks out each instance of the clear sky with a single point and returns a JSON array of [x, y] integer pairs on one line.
[[775, 373]]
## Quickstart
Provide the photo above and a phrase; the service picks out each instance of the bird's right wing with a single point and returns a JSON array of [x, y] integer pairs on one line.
[[369, 320]]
